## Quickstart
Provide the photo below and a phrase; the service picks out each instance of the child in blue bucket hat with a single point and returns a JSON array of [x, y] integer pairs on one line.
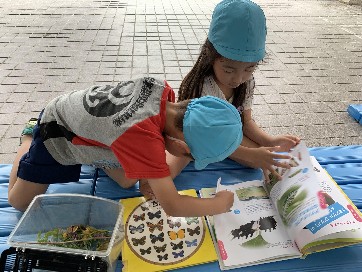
[[234, 47], [124, 130]]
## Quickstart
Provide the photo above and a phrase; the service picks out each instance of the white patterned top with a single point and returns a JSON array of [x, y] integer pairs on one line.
[[211, 88]]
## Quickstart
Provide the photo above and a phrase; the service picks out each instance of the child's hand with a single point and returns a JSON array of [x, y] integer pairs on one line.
[[267, 160], [225, 200], [285, 142]]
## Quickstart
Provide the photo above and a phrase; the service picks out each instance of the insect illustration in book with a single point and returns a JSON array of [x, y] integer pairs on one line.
[[157, 238], [252, 192], [289, 201], [252, 232]]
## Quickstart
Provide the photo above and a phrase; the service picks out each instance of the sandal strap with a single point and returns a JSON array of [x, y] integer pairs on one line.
[[29, 126]]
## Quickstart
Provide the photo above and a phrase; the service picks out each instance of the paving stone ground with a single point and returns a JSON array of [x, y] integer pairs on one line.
[[312, 72]]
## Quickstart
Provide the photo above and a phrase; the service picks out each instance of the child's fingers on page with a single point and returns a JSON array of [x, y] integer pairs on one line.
[[266, 175], [281, 156], [281, 164], [275, 173], [293, 137], [273, 148]]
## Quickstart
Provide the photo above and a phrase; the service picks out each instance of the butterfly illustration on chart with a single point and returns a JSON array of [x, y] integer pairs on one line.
[[134, 229], [191, 220], [140, 217], [156, 215], [152, 227], [178, 254], [145, 251], [140, 241], [160, 249], [174, 223], [157, 238], [180, 234], [192, 243], [176, 246], [194, 231]]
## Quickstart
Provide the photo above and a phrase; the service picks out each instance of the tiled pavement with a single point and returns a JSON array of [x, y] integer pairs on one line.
[[312, 72]]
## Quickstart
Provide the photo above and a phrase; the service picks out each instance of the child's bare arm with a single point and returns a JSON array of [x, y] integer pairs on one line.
[[176, 205], [176, 164], [259, 136], [253, 131]]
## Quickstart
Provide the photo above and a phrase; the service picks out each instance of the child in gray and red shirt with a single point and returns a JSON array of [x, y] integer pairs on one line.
[[125, 130]]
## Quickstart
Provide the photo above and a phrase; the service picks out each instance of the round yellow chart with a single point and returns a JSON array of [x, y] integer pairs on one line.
[[161, 239]]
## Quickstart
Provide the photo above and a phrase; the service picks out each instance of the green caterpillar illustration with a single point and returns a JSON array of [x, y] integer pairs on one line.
[[289, 201]]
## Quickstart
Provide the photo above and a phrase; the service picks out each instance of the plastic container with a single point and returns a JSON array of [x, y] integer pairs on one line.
[[49, 211]]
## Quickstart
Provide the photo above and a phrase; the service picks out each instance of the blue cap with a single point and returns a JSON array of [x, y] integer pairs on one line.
[[212, 129], [238, 30]]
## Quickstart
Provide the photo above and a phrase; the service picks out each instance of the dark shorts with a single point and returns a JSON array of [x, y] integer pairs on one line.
[[37, 165]]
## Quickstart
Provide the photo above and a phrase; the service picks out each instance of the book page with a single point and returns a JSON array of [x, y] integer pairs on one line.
[[251, 232], [342, 215], [297, 196], [209, 193]]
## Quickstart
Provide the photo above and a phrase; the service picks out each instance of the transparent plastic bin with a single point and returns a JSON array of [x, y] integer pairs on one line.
[[49, 211]]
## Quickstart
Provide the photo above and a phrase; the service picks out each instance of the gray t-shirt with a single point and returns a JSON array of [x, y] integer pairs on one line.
[[111, 126]]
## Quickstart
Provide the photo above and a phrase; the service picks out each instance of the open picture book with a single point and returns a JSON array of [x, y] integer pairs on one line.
[[303, 213], [155, 241]]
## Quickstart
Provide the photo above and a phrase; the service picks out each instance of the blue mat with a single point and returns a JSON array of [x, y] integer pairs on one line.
[[344, 164], [355, 110]]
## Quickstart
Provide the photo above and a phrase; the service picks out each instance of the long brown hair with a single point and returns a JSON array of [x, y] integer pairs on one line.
[[191, 85]]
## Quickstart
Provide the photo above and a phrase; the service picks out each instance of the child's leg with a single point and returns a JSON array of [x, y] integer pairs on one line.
[[21, 192], [176, 165], [118, 176]]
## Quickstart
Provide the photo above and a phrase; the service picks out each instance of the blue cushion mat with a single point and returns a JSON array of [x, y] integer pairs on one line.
[[355, 110], [343, 163]]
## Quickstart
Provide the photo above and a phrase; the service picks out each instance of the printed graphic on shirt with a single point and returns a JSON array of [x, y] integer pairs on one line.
[[106, 164], [104, 101], [84, 126]]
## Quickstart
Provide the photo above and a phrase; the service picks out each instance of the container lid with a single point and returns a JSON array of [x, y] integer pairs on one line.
[[51, 211]]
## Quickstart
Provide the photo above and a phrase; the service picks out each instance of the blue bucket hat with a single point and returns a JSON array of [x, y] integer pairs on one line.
[[238, 30], [212, 129]]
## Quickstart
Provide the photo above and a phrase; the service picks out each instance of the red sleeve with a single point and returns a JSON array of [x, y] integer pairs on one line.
[[141, 151], [168, 93]]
